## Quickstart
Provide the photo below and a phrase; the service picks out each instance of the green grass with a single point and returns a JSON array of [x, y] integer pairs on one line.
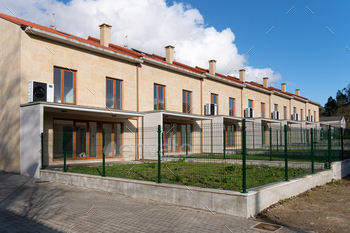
[[205, 175], [275, 157]]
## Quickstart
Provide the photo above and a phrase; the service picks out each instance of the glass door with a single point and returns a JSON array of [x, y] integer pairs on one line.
[[81, 140]]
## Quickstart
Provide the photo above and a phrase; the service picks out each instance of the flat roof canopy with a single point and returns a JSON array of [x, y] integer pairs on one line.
[[84, 110]]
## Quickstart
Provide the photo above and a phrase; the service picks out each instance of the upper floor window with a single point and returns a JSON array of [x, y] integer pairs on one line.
[[159, 97], [186, 101], [113, 93], [231, 106], [294, 110], [276, 107], [285, 112], [250, 104], [262, 110], [64, 81], [309, 112]]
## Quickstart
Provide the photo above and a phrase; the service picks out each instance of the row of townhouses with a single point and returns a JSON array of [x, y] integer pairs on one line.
[[52, 81]]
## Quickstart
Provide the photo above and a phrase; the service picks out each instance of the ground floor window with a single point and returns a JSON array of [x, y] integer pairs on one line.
[[177, 137], [84, 139], [230, 135]]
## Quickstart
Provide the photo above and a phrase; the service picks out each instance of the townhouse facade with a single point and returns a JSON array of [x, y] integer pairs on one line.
[[101, 86]]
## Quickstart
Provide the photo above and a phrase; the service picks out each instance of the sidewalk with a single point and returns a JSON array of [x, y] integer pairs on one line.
[[28, 205]]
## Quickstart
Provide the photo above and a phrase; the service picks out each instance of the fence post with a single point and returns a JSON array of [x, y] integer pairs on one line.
[[285, 153], [329, 147], [42, 151], [159, 161], [270, 143], [64, 152], [163, 144], [224, 145], [277, 138], [244, 144], [312, 152], [103, 154], [342, 142], [186, 139]]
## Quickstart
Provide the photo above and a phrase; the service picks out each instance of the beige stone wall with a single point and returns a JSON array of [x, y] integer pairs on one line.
[[299, 105], [281, 102], [224, 92], [40, 57], [174, 84], [10, 74], [258, 98]]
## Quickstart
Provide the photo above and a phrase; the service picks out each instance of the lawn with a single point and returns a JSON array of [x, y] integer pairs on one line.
[[205, 175], [279, 156]]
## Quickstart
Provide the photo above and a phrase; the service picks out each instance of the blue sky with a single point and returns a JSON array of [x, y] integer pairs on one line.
[[298, 45]]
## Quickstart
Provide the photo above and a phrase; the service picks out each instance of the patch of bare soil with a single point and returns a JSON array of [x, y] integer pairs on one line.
[[322, 209]]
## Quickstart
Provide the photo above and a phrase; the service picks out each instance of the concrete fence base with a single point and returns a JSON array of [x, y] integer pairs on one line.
[[221, 201]]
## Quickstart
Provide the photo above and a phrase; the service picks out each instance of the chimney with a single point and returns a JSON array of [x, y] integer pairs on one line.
[[297, 92], [212, 67], [283, 87], [105, 34], [266, 82], [169, 54], [242, 75]]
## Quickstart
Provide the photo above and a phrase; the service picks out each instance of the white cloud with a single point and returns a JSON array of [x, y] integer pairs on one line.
[[150, 25]]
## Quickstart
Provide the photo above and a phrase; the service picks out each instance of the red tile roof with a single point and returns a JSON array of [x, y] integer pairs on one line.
[[132, 53]]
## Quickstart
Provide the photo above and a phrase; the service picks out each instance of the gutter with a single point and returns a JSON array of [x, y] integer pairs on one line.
[[300, 99], [223, 80], [171, 67], [258, 89], [281, 94], [313, 102], [76, 43]]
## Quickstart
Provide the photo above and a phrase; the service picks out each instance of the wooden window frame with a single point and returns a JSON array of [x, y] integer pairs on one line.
[[187, 106], [115, 91], [294, 109], [231, 108], [159, 85], [62, 85], [284, 112], [99, 138], [178, 136], [275, 107], [250, 101]]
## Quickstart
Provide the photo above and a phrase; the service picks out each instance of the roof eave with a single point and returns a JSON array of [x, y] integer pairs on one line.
[[258, 88], [171, 67], [281, 94], [79, 44], [223, 80]]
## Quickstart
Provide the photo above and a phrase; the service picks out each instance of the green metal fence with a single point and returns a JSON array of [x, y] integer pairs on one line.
[[231, 156]]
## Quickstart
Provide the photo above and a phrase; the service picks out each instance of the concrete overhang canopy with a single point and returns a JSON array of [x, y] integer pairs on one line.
[[267, 120], [293, 122], [84, 110], [232, 118], [311, 123], [181, 116]]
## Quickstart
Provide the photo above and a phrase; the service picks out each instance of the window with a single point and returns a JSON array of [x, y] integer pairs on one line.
[[276, 107], [230, 135], [159, 97], [177, 137], [186, 101], [309, 112], [314, 115], [285, 112], [214, 100], [114, 93], [250, 104], [231, 107], [64, 81], [263, 110], [294, 110]]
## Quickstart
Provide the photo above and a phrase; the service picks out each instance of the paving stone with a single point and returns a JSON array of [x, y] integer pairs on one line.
[[26, 206]]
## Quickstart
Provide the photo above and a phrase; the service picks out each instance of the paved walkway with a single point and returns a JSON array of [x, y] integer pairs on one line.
[[27, 206]]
